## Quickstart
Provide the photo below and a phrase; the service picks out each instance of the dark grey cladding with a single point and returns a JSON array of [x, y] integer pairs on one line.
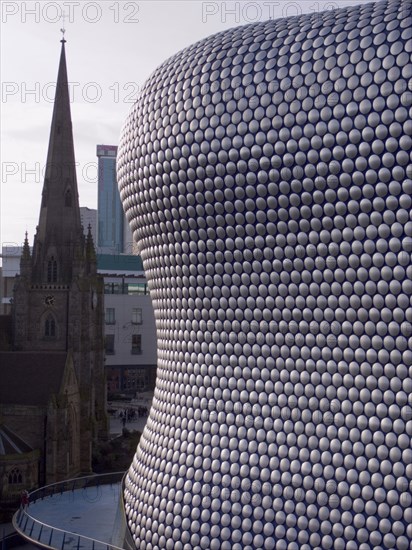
[[266, 174]]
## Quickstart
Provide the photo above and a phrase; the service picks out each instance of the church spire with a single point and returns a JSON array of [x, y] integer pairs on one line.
[[59, 228], [25, 259], [26, 248], [90, 252]]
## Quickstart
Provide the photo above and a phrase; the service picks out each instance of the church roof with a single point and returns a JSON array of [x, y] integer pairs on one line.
[[30, 378], [11, 443]]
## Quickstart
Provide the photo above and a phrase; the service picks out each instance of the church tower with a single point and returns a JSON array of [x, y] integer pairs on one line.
[[58, 297]]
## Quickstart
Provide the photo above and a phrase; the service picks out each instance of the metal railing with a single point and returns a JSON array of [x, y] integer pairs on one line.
[[52, 537], [128, 539]]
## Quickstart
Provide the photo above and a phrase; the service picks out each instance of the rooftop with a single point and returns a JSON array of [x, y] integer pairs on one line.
[[32, 367]]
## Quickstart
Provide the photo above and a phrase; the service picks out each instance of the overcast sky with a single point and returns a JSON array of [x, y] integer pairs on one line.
[[112, 47]]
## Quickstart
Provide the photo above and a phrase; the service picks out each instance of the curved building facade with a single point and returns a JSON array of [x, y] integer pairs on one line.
[[266, 174]]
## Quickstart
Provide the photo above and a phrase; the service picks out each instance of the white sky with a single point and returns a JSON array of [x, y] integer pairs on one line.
[[112, 47]]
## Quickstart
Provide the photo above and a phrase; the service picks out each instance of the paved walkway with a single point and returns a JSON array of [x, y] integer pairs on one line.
[[138, 424], [89, 512]]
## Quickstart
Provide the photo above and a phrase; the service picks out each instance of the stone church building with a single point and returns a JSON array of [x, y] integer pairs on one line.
[[52, 383]]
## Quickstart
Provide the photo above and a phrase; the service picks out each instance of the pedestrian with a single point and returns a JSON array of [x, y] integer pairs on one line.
[[24, 499]]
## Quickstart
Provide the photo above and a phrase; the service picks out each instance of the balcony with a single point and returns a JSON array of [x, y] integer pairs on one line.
[[84, 513]]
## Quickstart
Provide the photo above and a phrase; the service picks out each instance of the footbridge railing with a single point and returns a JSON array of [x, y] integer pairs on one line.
[[48, 536]]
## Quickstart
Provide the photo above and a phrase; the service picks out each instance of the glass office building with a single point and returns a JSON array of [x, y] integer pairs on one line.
[[110, 222]]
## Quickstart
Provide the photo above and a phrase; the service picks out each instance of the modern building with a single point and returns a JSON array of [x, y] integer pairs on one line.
[[52, 378], [113, 233], [275, 227], [130, 333], [130, 330]]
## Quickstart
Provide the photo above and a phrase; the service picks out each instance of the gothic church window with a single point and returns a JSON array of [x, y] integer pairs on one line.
[[15, 477], [50, 327], [52, 270]]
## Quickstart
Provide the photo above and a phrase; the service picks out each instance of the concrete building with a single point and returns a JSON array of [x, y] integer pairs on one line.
[[130, 331]]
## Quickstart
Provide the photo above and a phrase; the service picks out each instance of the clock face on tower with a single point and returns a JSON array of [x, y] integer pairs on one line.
[[49, 300]]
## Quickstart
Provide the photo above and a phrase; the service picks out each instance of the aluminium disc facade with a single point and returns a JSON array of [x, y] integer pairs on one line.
[[266, 174]]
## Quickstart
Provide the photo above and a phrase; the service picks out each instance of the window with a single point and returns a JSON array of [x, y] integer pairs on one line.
[[109, 344], [134, 289], [50, 327], [136, 344], [113, 288], [140, 289], [15, 477], [137, 316], [110, 316], [135, 380], [52, 270]]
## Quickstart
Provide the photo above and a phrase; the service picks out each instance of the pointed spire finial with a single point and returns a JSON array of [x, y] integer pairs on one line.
[[63, 29], [26, 249], [90, 250], [89, 238]]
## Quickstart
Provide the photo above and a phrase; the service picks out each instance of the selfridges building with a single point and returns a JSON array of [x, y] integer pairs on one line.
[[265, 172]]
